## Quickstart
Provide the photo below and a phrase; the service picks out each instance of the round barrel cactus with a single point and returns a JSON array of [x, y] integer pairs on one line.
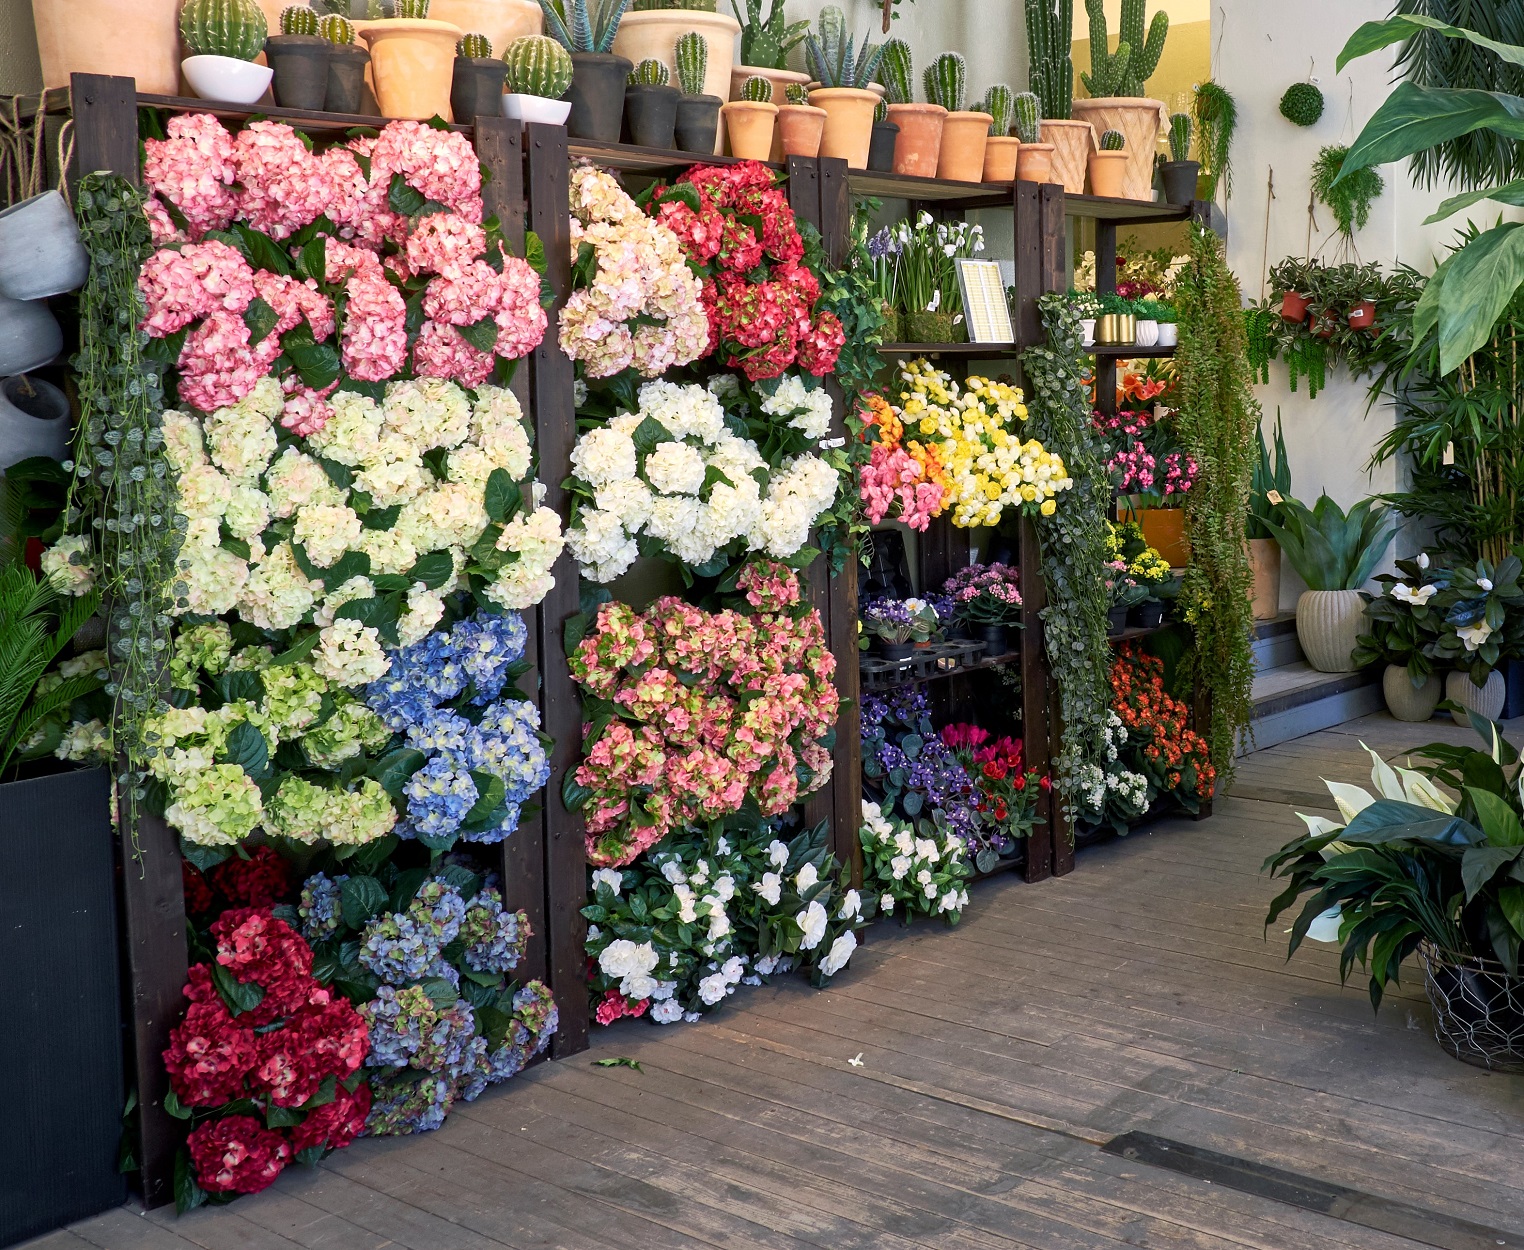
[[235, 28], [476, 46], [298, 19], [757, 89], [336, 29], [538, 65]]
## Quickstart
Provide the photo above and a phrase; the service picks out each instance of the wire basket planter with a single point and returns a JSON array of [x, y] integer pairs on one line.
[[1478, 1008]]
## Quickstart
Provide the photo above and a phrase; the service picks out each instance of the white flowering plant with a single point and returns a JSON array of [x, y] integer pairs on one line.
[[915, 868], [1110, 793]]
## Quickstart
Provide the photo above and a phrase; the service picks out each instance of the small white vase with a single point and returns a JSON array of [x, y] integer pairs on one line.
[[1087, 326], [1147, 333], [1328, 625], [1486, 701], [536, 108], [1403, 700], [1169, 334], [226, 79], [40, 251], [34, 421]]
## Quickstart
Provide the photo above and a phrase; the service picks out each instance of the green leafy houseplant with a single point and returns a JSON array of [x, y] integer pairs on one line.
[[1349, 199], [1404, 621], [1270, 486], [1331, 549], [1216, 115]]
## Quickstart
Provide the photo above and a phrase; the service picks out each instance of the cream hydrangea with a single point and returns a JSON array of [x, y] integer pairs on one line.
[[538, 541], [66, 565], [277, 595], [808, 410], [350, 654], [297, 481], [326, 532], [241, 440]]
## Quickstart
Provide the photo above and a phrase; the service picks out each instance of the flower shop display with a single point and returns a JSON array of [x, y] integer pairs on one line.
[[918, 141], [844, 87], [476, 86], [1147, 463], [1108, 792], [899, 625], [987, 599], [412, 62], [689, 714], [960, 155], [298, 56], [750, 121], [223, 37], [539, 72], [1142, 568], [650, 105], [915, 869], [587, 29], [1117, 81], [1008, 790], [1160, 743], [698, 110]]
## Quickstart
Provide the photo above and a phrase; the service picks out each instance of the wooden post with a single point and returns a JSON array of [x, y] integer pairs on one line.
[[105, 126], [555, 435]]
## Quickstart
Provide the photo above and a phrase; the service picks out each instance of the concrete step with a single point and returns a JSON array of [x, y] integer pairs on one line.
[[1275, 643], [1293, 700]]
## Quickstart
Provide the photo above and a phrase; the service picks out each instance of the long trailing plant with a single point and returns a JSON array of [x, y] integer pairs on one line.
[[124, 495], [1215, 113], [1073, 544], [1216, 424]]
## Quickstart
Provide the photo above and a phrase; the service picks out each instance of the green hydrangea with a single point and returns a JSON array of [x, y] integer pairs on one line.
[[216, 806], [222, 722], [305, 812], [293, 697], [299, 810], [207, 647], [365, 814], [251, 659], [352, 729]]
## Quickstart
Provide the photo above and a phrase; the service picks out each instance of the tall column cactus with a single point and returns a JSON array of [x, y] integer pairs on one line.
[[897, 73], [1026, 112], [234, 28], [998, 103], [1126, 71], [298, 19], [1050, 32], [691, 54], [1180, 137], [946, 81]]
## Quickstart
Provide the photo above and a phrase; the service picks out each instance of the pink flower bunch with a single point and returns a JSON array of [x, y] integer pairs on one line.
[[1137, 470], [1130, 422], [282, 186], [439, 164], [194, 171], [180, 286], [692, 711], [893, 479]]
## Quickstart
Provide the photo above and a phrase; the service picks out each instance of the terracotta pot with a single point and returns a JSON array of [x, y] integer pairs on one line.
[[920, 139], [1406, 701], [698, 123], [1485, 701], [1164, 531], [1034, 162], [848, 124], [1179, 179], [40, 251], [502, 21], [1108, 174], [799, 129], [89, 37], [412, 66], [597, 96], [1328, 625], [1139, 120], [1294, 306], [477, 88], [749, 128], [1265, 563], [964, 136], [34, 420], [1325, 325], [347, 66], [881, 148], [1000, 156], [1363, 315], [650, 115], [1072, 141], [300, 64]]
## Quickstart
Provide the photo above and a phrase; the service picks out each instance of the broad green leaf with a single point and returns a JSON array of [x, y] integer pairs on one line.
[[433, 569], [1498, 820], [395, 769], [1387, 820], [1426, 310], [1480, 865], [502, 495], [1483, 279], [240, 996], [1511, 900], [247, 748], [482, 334], [360, 898], [1373, 36], [1413, 119], [1509, 193]]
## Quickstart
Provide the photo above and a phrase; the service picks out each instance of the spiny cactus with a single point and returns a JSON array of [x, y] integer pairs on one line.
[[584, 25], [336, 29], [1050, 31], [767, 43], [412, 10], [946, 81], [475, 45], [1180, 137], [829, 53], [1113, 141], [692, 56], [757, 89], [538, 65], [321, 7], [298, 19], [897, 73], [1026, 114], [650, 73], [1126, 71], [881, 110], [998, 102], [235, 28], [796, 93]]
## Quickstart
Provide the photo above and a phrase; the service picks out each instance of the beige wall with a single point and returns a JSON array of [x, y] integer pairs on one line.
[[20, 73]]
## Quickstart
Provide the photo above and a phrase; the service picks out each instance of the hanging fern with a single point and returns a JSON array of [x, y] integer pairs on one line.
[[1349, 201], [1216, 120]]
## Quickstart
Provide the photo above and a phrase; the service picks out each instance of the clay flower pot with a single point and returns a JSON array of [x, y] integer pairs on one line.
[[300, 66], [597, 96], [502, 21], [800, 127], [412, 66], [34, 420], [848, 124], [1001, 153], [1108, 174], [1406, 701], [347, 63], [1072, 141], [1363, 315], [1328, 625], [1164, 531], [1294, 306], [650, 114], [698, 123], [1265, 565], [1179, 179], [964, 135], [1034, 162], [40, 251], [1139, 119], [881, 147], [226, 79], [781, 79], [92, 37], [749, 128], [477, 88], [919, 143], [1485, 701]]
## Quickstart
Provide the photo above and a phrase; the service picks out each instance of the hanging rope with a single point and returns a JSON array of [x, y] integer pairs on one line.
[[25, 152], [1264, 262]]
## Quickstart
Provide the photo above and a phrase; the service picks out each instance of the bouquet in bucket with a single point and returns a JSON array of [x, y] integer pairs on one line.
[[902, 478]]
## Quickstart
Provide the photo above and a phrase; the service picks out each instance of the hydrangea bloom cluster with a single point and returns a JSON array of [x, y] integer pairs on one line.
[[677, 932], [902, 478], [261, 1028], [635, 304], [913, 870], [675, 475], [334, 232], [473, 753], [689, 712], [762, 296]]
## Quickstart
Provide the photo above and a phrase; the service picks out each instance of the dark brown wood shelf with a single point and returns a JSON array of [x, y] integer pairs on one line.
[[975, 350], [1124, 212], [302, 119], [1129, 351], [989, 661], [866, 182], [638, 160], [1134, 632]]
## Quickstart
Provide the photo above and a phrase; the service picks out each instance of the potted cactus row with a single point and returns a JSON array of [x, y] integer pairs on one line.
[[651, 29], [844, 91], [586, 29], [1117, 82]]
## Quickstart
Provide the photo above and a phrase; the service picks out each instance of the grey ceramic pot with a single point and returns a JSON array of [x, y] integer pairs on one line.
[[29, 336], [40, 251], [34, 420]]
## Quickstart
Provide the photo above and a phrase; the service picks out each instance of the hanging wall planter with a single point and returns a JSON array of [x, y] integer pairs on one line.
[[412, 66], [29, 336], [40, 251], [597, 96], [34, 420], [1363, 315]]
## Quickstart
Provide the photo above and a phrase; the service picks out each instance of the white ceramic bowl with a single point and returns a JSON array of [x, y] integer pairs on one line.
[[226, 79], [536, 108], [1169, 334]]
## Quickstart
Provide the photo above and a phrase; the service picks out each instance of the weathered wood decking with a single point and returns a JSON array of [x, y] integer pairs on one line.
[[1137, 994]]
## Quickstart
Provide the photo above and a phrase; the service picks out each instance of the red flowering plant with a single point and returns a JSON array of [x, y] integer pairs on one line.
[[1008, 790], [1160, 743], [266, 1064], [761, 273]]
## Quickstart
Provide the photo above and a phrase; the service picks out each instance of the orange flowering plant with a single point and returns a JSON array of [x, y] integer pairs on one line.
[[1160, 743]]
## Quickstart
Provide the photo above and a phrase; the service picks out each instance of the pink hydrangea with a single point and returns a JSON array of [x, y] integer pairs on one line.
[[441, 164], [282, 185], [218, 367], [441, 352], [359, 206], [294, 300], [444, 243], [467, 294], [193, 170], [521, 321], [195, 281], [306, 411], [373, 346]]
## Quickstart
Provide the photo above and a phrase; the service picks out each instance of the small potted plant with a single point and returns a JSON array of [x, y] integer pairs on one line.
[[919, 141], [1146, 315], [651, 29], [1269, 488], [1169, 329], [586, 29], [1087, 307], [987, 599], [1292, 279], [844, 87], [765, 45], [1404, 625], [1108, 166], [964, 132], [1117, 324], [412, 62], [1034, 158], [1179, 173], [698, 114], [1001, 149], [749, 121], [1362, 309], [1125, 595], [1478, 607], [800, 125], [650, 105], [347, 62], [885, 135], [539, 72], [477, 89], [898, 625], [223, 37], [298, 58]]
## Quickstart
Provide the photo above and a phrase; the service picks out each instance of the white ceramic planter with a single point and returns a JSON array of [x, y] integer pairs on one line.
[[536, 108], [34, 421], [226, 79], [29, 336], [1087, 326], [1404, 701], [1485, 701], [40, 251], [1169, 334], [1148, 333], [1328, 625]]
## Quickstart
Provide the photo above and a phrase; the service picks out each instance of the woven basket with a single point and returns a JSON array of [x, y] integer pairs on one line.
[[1478, 1008], [1139, 120], [1072, 141]]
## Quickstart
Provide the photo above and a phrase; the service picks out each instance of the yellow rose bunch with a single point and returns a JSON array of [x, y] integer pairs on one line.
[[988, 467]]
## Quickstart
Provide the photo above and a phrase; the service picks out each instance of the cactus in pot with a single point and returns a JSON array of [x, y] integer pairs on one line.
[[896, 72], [691, 55], [538, 66], [998, 103], [1026, 114], [830, 53], [1050, 33], [230, 28], [796, 93], [474, 47], [411, 10], [650, 73], [1180, 137], [338, 30], [668, 6], [1179, 173], [766, 43], [757, 90], [946, 81], [477, 89], [1126, 71], [298, 58], [586, 29], [698, 114], [298, 19], [1113, 141], [650, 104], [584, 26]]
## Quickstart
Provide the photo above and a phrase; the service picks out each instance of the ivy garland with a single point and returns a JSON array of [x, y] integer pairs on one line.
[[1217, 425], [124, 494], [1073, 544]]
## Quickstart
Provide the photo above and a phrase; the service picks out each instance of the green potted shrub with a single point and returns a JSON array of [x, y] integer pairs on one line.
[[223, 37], [1169, 329], [1404, 625], [477, 88], [539, 73], [1117, 324], [650, 105], [586, 29], [698, 113]]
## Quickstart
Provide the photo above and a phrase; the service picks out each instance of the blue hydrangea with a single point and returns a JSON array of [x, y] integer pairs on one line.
[[485, 646], [438, 797], [447, 1043], [440, 907], [400, 948], [494, 937], [438, 732], [401, 1105], [395, 1021], [319, 907]]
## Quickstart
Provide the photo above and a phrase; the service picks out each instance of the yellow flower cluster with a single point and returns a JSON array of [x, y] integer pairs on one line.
[[1149, 567], [988, 467]]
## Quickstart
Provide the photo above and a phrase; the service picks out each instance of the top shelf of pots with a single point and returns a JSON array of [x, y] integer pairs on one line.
[[632, 159], [301, 118]]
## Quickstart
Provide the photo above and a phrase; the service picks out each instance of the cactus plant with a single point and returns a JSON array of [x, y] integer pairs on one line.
[[767, 43], [577, 29], [650, 73], [796, 93], [998, 103], [337, 29], [1026, 115], [1113, 141], [476, 46], [538, 65], [829, 53], [1126, 71], [881, 111], [757, 89], [897, 73], [1050, 32], [235, 28], [412, 10], [946, 81], [692, 57], [298, 19], [1180, 137], [1302, 103]]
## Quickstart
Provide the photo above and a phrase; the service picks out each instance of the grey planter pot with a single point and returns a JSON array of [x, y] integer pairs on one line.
[[1328, 625], [346, 79], [477, 88], [650, 115], [300, 63], [29, 336], [597, 96], [697, 123], [1404, 701], [34, 420], [40, 251], [1486, 701]]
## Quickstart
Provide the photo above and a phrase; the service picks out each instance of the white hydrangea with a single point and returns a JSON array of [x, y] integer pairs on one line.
[[428, 412], [350, 654], [247, 512], [326, 533], [277, 594], [389, 552], [296, 481], [809, 411], [353, 434], [675, 468], [215, 580], [686, 411], [347, 592], [425, 608], [604, 455], [241, 440], [601, 546], [184, 447], [538, 541], [66, 565]]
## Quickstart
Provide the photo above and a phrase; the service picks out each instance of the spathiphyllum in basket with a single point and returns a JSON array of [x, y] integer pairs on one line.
[[903, 477], [914, 868]]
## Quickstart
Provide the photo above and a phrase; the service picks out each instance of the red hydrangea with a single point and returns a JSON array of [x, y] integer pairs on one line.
[[209, 1052], [236, 1155], [336, 1124], [254, 946], [262, 880]]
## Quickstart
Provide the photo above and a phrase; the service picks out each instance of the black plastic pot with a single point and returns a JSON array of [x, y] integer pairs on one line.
[[995, 639], [896, 650], [1179, 180], [1148, 615], [881, 147], [597, 96], [698, 123], [477, 88], [346, 78], [650, 115], [300, 63], [1116, 619]]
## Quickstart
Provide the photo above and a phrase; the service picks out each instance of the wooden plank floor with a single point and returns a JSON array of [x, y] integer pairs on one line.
[[953, 1088]]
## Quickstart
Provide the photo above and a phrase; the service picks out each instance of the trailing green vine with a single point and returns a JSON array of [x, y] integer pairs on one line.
[[124, 493], [1217, 424], [1073, 543]]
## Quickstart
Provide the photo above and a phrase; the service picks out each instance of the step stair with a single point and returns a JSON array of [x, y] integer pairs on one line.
[[1291, 698]]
